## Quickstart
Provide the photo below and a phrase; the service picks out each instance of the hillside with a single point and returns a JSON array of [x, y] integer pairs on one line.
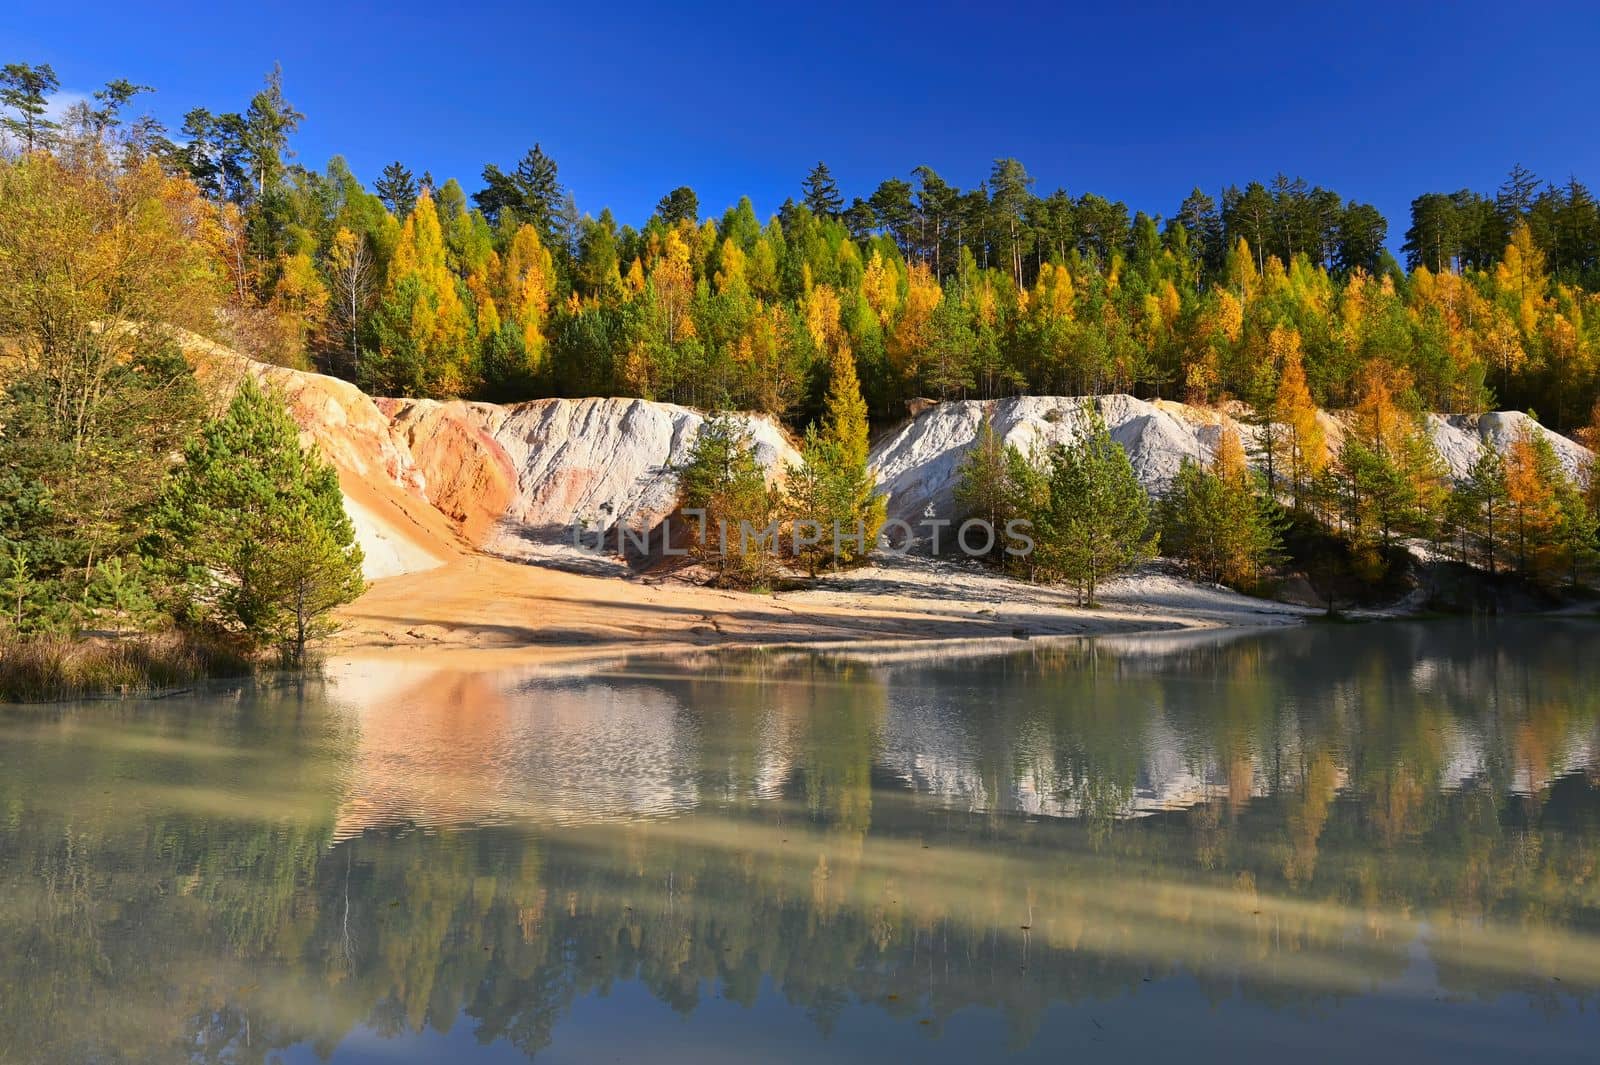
[[428, 481]]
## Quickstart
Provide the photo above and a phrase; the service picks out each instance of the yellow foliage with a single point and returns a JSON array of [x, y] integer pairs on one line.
[[822, 318], [731, 274], [1053, 293], [1377, 419], [633, 284], [672, 276], [439, 321], [1520, 275], [1242, 275], [881, 286], [1225, 317], [527, 281], [909, 339], [1533, 502], [1305, 444], [1229, 463]]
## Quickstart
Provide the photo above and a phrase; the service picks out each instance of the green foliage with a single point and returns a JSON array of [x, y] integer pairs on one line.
[[725, 483], [1478, 511], [25, 91], [1224, 529], [253, 533], [1096, 520], [993, 483]]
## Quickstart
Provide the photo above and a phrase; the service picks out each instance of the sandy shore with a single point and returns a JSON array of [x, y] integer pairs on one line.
[[485, 612]]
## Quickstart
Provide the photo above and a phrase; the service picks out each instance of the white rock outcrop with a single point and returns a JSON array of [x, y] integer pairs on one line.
[[1459, 438], [602, 461], [919, 464], [425, 480]]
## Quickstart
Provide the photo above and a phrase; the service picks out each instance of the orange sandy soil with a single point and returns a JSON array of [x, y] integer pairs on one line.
[[487, 612]]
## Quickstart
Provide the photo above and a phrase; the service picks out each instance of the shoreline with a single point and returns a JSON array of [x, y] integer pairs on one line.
[[483, 612]]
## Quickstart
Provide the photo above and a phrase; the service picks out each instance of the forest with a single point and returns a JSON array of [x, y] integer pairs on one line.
[[1274, 301], [410, 285]]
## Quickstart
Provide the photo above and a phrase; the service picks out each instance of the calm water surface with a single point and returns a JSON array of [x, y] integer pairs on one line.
[[1377, 842]]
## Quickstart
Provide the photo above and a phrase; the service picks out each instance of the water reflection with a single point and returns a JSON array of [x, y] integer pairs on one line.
[[1298, 826]]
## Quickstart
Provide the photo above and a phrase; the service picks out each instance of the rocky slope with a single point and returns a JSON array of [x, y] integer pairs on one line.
[[426, 482], [1459, 437], [918, 464]]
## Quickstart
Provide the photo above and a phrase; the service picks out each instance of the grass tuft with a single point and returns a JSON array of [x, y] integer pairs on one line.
[[46, 668]]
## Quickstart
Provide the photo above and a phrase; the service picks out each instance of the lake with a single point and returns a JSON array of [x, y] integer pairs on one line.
[[1375, 842]]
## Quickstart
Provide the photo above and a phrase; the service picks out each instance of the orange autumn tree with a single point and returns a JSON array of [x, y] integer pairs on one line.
[[1532, 475], [1553, 527]]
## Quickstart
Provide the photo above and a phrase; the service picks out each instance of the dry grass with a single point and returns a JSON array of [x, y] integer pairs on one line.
[[44, 668]]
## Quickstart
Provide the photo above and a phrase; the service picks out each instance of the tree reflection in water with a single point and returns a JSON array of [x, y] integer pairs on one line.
[[1284, 818]]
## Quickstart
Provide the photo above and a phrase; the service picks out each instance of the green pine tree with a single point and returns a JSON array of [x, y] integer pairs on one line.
[[1479, 509], [987, 489], [1097, 520], [724, 481], [253, 529], [1222, 528], [822, 192]]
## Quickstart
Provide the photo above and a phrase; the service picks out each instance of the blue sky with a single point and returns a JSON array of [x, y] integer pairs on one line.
[[1136, 102]]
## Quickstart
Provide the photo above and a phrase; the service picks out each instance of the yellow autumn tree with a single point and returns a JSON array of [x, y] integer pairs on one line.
[[913, 329], [527, 280], [423, 327], [1520, 278], [1531, 476], [881, 286], [1299, 446], [672, 278], [730, 278], [1229, 463], [822, 310], [772, 376], [299, 305]]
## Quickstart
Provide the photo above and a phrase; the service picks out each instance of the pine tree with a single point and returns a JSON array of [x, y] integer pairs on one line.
[[1577, 532], [26, 90], [1479, 507], [679, 205], [253, 531], [1097, 520], [985, 489], [541, 190], [1216, 521], [265, 134], [397, 188], [822, 192], [723, 480]]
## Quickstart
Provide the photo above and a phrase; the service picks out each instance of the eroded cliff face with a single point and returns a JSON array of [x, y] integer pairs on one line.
[[427, 481], [918, 464]]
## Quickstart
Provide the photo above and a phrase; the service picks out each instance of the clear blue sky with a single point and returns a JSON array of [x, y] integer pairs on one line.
[[1140, 103]]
